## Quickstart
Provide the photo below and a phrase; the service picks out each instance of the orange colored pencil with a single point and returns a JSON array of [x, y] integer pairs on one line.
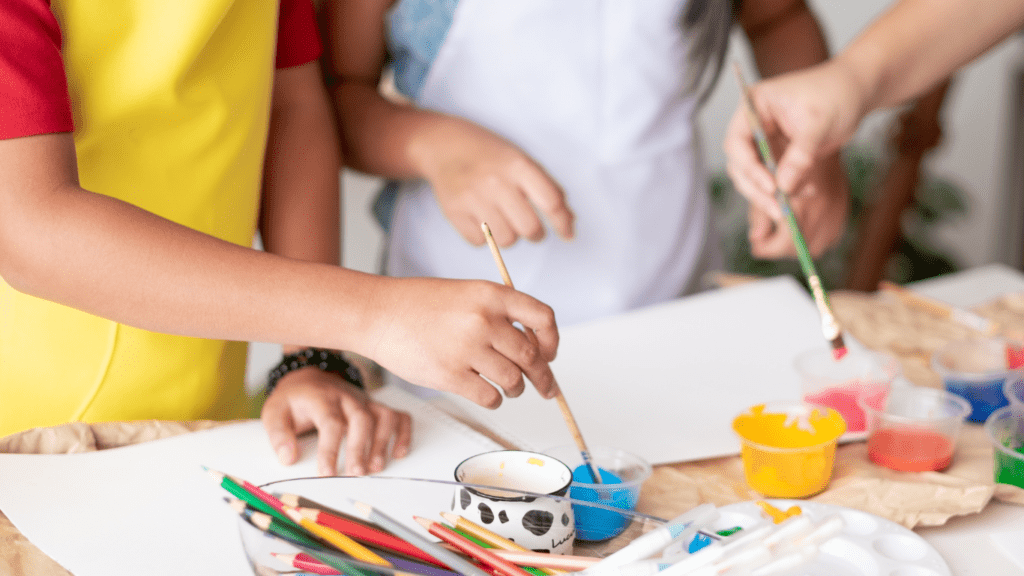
[[496, 540], [467, 547], [367, 535], [336, 539]]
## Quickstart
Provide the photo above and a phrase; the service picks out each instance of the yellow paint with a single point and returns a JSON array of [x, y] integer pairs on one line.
[[789, 451], [535, 461], [778, 516]]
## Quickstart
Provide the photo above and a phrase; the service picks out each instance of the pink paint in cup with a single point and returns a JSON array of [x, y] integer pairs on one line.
[[862, 376]]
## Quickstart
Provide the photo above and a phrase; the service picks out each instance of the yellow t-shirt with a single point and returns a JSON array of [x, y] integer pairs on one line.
[[171, 104]]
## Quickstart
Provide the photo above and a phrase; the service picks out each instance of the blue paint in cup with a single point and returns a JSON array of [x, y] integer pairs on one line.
[[977, 371], [622, 475], [593, 523]]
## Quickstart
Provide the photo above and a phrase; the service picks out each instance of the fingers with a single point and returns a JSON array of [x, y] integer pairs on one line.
[[502, 370], [388, 424], [549, 198], [331, 429], [796, 162], [768, 237], [745, 168], [280, 428]]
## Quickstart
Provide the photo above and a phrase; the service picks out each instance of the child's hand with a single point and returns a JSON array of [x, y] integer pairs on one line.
[[479, 177], [821, 207], [310, 399], [807, 115], [451, 334]]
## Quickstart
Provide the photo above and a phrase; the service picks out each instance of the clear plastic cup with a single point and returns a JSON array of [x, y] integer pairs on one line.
[[622, 475], [975, 370], [1005, 429], [788, 448], [1014, 392], [916, 430], [839, 384]]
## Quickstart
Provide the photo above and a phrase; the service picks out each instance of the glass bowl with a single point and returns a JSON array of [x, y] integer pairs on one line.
[[401, 499]]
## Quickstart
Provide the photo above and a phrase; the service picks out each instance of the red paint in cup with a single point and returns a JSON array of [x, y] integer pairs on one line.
[[910, 449]]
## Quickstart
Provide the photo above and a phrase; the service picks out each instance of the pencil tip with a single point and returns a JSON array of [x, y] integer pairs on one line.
[[423, 521], [453, 518]]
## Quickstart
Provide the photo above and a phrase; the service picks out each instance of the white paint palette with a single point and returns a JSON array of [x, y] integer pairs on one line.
[[868, 545]]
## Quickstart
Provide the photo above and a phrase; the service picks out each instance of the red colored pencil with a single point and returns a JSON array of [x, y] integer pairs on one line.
[[484, 555], [361, 532], [304, 561]]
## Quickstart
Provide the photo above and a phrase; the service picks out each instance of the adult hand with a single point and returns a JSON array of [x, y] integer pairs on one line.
[[480, 177], [807, 116], [309, 399], [821, 206], [458, 336]]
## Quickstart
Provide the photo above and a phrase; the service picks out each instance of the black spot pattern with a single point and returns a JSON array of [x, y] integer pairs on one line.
[[503, 517], [538, 521], [486, 514], [565, 519], [464, 498]]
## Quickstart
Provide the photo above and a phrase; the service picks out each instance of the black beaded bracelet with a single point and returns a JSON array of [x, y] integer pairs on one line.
[[322, 358]]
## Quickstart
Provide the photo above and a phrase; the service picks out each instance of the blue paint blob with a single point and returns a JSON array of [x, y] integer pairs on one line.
[[985, 397], [699, 541], [596, 524]]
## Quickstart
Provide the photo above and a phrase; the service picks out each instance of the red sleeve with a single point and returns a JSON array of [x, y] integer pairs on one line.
[[297, 39], [33, 87]]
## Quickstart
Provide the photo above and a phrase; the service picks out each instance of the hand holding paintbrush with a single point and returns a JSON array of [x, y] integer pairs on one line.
[[829, 326], [562, 405]]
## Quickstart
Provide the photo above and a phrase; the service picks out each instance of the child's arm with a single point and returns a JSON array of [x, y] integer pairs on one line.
[[784, 35], [476, 175], [299, 219], [109, 258]]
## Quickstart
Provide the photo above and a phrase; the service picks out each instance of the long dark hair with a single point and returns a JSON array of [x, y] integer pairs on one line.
[[707, 24]]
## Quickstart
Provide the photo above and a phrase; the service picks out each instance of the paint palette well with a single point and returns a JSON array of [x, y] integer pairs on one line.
[[868, 545]]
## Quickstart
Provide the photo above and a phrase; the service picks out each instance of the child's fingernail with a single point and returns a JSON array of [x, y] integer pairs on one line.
[[377, 464], [284, 454]]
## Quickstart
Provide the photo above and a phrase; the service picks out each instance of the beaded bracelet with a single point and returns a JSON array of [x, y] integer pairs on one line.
[[327, 360]]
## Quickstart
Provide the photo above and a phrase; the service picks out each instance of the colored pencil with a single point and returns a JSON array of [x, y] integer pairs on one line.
[[303, 561], [484, 555], [268, 523], [336, 539], [235, 488], [360, 532], [829, 325], [544, 560], [570, 420], [450, 559], [495, 540]]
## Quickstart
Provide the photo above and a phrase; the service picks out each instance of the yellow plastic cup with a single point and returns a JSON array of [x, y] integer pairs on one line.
[[788, 448]]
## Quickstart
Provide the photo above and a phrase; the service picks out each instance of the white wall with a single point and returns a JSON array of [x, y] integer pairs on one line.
[[973, 154]]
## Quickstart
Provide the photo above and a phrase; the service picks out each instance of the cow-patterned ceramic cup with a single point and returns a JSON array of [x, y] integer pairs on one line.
[[530, 520]]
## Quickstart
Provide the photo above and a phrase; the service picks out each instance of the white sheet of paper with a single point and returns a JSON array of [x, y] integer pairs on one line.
[[665, 382], [150, 509]]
